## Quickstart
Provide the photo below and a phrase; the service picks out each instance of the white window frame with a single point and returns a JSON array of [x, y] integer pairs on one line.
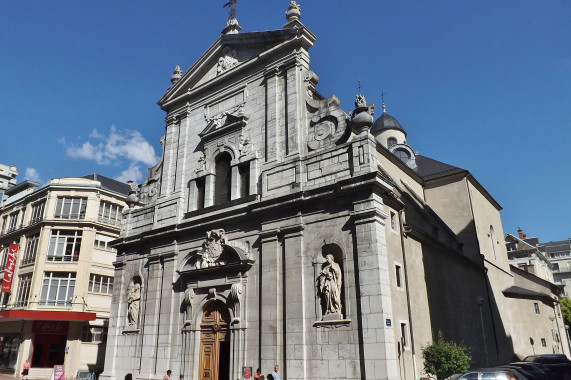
[[100, 284], [57, 289], [60, 240], [31, 251], [110, 213], [38, 212], [24, 287], [71, 208]]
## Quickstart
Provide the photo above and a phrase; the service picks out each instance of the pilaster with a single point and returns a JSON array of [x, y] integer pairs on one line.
[[378, 352], [171, 149]]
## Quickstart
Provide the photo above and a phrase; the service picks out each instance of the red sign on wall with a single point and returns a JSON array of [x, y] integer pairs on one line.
[[9, 270]]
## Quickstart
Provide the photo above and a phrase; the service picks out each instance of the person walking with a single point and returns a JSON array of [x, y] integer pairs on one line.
[[25, 369], [168, 375]]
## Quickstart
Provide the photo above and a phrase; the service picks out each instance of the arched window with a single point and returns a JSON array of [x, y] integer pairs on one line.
[[391, 141], [223, 182]]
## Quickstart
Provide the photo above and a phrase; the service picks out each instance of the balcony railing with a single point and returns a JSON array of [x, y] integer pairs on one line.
[[110, 221], [68, 258]]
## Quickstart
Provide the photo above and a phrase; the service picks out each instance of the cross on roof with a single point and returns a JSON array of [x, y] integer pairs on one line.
[[360, 86], [231, 4], [383, 96]]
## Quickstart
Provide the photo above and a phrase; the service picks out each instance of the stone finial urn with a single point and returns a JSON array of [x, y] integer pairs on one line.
[[293, 12], [362, 115], [176, 75], [133, 197]]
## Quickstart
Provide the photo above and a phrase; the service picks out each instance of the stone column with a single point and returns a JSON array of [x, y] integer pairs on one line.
[[209, 188], [374, 304], [272, 299], [293, 110], [235, 185]]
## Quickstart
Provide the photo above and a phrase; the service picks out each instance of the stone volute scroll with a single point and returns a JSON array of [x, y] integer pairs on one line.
[[187, 306], [328, 124], [236, 297]]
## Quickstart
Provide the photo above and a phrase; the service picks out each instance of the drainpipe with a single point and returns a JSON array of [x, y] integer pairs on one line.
[[402, 236]]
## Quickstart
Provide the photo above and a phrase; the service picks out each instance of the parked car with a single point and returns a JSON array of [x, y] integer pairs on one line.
[[488, 374], [533, 369], [559, 364]]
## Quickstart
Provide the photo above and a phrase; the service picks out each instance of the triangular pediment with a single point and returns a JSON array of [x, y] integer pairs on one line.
[[229, 55], [226, 124]]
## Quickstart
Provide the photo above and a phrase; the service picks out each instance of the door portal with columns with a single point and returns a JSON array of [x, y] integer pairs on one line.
[[215, 342]]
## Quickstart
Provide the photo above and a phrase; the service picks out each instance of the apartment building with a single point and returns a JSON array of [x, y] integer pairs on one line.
[[58, 272]]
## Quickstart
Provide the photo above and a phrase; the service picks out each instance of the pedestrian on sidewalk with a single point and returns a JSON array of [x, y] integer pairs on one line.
[[25, 370]]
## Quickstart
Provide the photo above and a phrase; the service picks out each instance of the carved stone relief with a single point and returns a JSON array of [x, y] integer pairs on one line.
[[227, 61], [212, 248], [236, 297], [187, 304]]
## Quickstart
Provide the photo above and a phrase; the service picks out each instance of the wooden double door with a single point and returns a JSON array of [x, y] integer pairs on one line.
[[215, 343]]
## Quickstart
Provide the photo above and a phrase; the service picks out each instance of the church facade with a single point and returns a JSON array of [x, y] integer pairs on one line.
[[279, 229]]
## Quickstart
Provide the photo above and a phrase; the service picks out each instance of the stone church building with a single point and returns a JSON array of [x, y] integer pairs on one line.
[[280, 229]]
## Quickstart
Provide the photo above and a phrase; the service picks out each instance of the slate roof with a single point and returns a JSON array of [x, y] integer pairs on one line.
[[428, 169], [386, 121], [109, 183]]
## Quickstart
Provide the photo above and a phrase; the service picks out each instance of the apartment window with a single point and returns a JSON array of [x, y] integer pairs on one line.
[[94, 334], [398, 275], [536, 307], [100, 284], [13, 222], [404, 334], [4, 224], [23, 294], [37, 212], [71, 208], [64, 245], [110, 213], [57, 289], [31, 249], [103, 242], [543, 342]]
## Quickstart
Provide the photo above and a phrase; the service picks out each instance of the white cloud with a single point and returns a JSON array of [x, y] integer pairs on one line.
[[118, 147], [133, 173], [32, 175]]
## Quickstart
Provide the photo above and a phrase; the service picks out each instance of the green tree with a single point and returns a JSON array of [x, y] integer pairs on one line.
[[445, 358], [566, 309]]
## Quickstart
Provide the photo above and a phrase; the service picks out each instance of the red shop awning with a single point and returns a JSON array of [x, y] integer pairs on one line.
[[46, 315]]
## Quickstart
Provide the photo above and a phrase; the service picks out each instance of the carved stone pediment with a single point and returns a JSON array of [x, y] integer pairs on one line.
[[223, 124], [215, 256]]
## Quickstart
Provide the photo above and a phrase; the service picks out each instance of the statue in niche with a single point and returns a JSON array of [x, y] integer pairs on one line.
[[212, 248], [133, 299], [187, 302], [329, 284]]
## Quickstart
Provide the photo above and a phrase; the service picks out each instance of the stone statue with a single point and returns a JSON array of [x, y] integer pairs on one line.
[[187, 301], [329, 284], [133, 301]]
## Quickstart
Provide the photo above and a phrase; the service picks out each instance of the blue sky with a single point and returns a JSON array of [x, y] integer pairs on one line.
[[483, 85]]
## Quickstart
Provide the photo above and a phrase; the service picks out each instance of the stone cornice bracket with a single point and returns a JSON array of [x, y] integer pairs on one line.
[[171, 119]]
